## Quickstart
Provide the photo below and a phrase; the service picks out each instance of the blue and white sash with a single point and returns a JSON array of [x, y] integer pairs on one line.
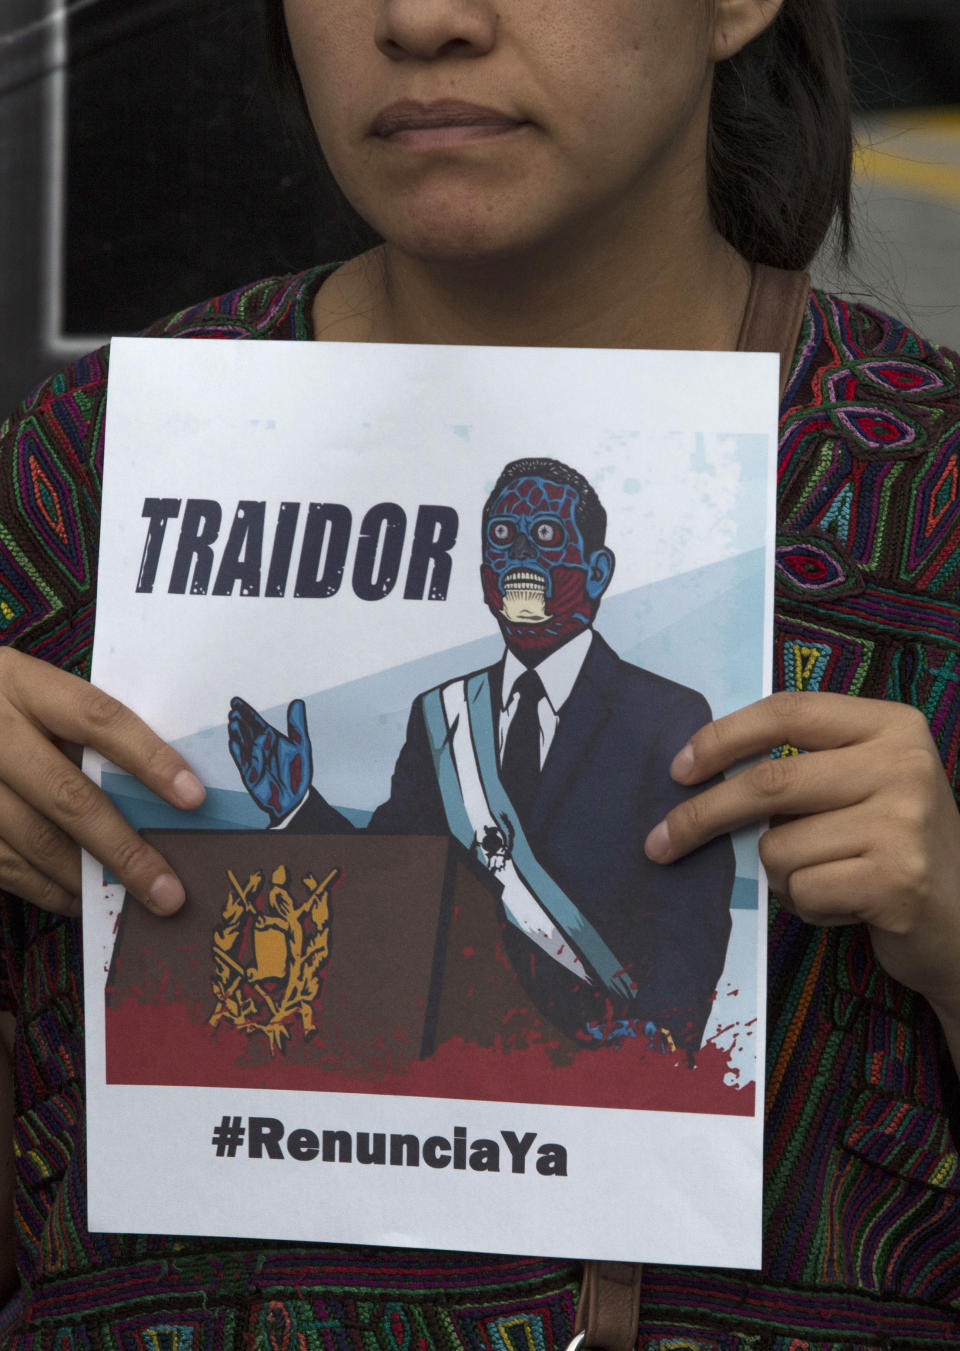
[[479, 814]]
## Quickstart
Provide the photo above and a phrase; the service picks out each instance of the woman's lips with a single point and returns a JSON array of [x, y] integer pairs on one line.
[[446, 123], [422, 138]]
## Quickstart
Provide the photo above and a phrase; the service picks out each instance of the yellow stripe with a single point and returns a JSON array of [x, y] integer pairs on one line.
[[917, 150], [940, 181]]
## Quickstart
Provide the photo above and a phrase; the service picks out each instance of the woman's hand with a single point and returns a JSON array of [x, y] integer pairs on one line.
[[872, 831], [49, 808]]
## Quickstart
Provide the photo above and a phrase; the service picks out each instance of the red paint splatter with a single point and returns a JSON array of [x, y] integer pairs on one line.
[[172, 1044]]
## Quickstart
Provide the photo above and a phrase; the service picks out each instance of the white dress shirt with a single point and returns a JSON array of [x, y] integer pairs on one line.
[[558, 672]]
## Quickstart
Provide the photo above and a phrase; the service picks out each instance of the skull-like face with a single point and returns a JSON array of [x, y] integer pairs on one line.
[[537, 577]]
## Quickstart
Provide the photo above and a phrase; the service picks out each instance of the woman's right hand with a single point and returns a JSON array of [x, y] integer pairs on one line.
[[48, 806]]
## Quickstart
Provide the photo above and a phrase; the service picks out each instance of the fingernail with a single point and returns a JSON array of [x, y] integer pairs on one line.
[[682, 765], [74, 907], [657, 845], [187, 789], [166, 895]]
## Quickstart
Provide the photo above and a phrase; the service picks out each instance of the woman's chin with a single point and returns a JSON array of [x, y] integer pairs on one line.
[[445, 232]]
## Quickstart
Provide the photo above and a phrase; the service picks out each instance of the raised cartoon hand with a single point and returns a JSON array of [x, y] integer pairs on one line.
[[49, 808], [276, 770], [872, 831]]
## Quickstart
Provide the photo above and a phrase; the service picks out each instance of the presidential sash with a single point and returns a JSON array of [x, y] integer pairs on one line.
[[459, 721]]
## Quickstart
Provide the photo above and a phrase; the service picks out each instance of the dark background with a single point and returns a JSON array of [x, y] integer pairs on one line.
[[176, 179], [213, 194]]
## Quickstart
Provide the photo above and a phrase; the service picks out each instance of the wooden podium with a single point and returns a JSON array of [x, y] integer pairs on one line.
[[367, 952]]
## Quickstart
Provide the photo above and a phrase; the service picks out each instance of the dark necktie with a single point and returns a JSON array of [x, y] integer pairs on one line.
[[520, 767]]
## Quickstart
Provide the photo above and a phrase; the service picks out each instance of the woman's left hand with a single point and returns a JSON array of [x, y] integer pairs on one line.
[[871, 830]]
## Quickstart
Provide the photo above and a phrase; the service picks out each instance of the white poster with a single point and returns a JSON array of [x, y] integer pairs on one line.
[[430, 625]]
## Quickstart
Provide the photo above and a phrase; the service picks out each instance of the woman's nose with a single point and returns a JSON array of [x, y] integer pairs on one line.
[[427, 29]]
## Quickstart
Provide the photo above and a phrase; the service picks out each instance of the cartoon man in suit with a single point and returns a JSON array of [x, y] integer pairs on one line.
[[550, 767]]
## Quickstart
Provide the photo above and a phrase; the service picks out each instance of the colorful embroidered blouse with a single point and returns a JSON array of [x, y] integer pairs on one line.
[[863, 1186]]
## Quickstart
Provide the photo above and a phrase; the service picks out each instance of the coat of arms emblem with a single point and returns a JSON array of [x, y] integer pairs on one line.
[[269, 952]]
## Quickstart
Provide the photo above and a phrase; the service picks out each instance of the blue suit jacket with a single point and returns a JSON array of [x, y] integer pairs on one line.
[[605, 784]]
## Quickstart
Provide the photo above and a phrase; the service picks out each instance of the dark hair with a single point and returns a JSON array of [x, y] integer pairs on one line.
[[780, 151], [589, 512]]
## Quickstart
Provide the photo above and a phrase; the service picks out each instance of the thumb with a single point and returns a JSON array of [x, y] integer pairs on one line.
[[297, 722]]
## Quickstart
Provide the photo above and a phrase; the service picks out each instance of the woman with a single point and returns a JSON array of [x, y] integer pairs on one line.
[[600, 175]]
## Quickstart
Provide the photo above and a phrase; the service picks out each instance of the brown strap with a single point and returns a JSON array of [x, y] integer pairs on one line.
[[774, 314], [608, 1312]]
